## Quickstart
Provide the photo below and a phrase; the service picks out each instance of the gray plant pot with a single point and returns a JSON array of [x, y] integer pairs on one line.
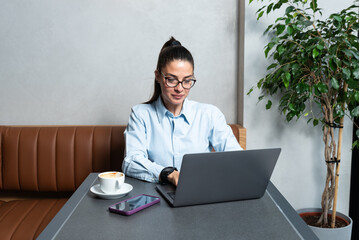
[[343, 233]]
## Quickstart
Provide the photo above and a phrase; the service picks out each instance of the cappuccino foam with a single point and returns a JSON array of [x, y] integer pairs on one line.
[[110, 175]]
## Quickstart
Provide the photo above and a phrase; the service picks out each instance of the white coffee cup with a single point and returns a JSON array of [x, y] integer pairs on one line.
[[111, 182]]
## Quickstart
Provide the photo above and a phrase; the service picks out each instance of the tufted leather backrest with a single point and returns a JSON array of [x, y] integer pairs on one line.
[[59, 158]]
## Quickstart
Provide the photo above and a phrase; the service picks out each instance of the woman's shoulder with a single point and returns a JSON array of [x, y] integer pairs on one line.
[[203, 107], [143, 109]]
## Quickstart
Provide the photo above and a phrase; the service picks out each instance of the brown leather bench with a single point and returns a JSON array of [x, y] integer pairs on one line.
[[41, 166]]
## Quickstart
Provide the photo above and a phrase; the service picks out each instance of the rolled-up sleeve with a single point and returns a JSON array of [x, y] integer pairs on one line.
[[136, 163]]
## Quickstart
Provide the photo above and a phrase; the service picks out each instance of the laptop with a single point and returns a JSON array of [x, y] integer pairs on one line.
[[221, 176]]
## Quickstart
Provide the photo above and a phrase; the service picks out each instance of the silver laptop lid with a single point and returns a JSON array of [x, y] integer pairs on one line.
[[224, 176]]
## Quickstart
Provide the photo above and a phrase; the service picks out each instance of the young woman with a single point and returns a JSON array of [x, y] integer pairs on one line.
[[162, 130]]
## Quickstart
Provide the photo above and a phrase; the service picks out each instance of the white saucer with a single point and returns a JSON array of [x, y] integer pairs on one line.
[[124, 190]]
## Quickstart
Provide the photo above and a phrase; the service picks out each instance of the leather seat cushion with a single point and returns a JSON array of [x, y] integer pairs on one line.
[[26, 219]]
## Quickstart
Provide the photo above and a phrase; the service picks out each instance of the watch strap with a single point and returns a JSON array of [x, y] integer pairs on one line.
[[165, 172]]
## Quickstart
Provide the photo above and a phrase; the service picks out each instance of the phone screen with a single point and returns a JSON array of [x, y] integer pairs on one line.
[[133, 203]]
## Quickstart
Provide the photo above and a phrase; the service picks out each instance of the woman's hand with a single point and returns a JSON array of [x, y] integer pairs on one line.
[[173, 177]]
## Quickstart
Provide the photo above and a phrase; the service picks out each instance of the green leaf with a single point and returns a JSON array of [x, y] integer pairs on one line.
[[307, 23], [269, 8], [268, 28], [250, 1], [346, 73], [260, 15], [315, 122], [287, 76], [348, 52], [289, 9], [337, 24], [356, 73], [356, 96], [353, 84], [290, 116], [355, 144], [295, 68], [290, 30], [306, 114], [315, 53], [332, 64], [280, 29], [269, 104], [320, 46], [357, 133], [260, 9], [273, 65], [281, 50], [336, 17], [292, 107], [314, 5], [355, 112], [269, 47], [280, 19], [301, 88], [355, 54], [322, 87], [250, 90], [335, 83], [259, 84], [278, 5], [285, 79]]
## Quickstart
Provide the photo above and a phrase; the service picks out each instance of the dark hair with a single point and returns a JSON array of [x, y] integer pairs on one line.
[[171, 50]]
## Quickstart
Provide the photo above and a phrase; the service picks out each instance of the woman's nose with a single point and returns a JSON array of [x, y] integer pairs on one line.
[[179, 87]]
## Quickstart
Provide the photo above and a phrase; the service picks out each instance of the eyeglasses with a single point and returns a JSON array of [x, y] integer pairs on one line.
[[173, 82]]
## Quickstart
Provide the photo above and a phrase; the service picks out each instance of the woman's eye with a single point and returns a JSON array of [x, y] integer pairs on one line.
[[171, 80]]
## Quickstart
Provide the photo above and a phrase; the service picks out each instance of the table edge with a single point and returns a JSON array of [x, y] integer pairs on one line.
[[66, 211], [289, 212]]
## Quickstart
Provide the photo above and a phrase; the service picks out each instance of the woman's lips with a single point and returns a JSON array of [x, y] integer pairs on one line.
[[177, 96]]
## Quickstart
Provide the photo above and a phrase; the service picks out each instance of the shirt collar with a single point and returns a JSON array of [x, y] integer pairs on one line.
[[162, 111]]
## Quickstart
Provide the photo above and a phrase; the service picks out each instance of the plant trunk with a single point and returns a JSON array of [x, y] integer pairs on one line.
[[330, 155], [329, 197]]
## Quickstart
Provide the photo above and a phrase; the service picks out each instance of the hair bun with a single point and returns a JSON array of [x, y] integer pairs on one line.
[[175, 43]]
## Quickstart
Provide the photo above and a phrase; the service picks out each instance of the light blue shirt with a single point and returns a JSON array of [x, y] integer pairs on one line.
[[156, 139]]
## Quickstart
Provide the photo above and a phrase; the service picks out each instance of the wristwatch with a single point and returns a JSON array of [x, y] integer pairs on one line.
[[165, 172]]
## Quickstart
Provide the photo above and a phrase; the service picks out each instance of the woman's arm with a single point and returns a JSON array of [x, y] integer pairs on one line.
[[136, 163]]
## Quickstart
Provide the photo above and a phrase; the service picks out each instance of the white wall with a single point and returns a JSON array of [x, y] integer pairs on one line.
[[300, 172], [89, 61]]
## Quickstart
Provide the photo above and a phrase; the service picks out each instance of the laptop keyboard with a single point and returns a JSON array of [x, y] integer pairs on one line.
[[172, 195]]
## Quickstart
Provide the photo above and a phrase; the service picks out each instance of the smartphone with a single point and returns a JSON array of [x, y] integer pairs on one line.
[[134, 204]]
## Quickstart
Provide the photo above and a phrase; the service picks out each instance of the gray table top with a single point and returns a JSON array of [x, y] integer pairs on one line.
[[85, 216]]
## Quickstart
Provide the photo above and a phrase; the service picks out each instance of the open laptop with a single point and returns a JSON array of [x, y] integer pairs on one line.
[[221, 176]]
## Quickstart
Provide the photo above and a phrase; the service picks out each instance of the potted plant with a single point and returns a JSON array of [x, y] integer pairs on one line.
[[315, 62]]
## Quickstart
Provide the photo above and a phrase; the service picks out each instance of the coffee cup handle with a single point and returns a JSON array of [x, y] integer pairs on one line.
[[118, 184]]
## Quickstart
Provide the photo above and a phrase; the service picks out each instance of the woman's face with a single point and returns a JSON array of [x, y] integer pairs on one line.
[[173, 97]]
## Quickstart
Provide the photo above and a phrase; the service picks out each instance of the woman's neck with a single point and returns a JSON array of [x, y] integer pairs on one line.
[[174, 109]]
